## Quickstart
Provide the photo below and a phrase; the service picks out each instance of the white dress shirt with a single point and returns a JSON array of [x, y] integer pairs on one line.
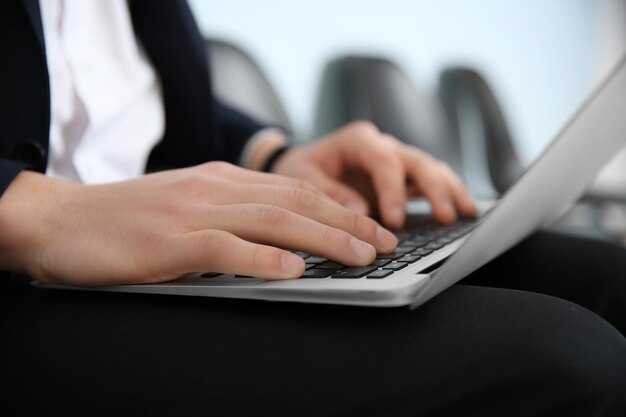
[[106, 106]]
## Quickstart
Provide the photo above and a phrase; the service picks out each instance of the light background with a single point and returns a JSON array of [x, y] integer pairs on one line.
[[541, 56]]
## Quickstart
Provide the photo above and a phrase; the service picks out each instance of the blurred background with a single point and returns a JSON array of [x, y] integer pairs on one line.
[[540, 58]]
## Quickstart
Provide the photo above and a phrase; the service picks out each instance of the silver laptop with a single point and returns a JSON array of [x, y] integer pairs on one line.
[[431, 258]]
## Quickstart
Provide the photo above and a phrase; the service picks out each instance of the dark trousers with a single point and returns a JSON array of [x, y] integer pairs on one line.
[[537, 332]]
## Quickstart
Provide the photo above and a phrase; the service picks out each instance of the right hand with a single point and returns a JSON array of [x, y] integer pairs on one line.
[[213, 217]]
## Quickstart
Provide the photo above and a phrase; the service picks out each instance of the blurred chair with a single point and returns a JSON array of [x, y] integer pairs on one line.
[[464, 126], [465, 94], [239, 81], [378, 90]]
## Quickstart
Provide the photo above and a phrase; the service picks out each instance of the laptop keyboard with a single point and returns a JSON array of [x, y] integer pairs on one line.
[[420, 237]]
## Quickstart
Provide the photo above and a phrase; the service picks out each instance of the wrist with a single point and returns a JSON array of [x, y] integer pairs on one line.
[[272, 159], [26, 209], [264, 148]]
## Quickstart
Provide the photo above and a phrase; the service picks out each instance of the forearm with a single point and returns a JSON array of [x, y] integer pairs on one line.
[[161, 226], [25, 209]]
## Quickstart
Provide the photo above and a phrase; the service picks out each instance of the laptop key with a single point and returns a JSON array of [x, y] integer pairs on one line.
[[404, 249], [422, 252], [417, 243], [409, 258], [331, 265], [390, 256], [379, 273], [403, 235], [354, 272], [445, 240], [309, 266], [434, 246], [395, 266], [316, 273], [381, 262], [315, 260]]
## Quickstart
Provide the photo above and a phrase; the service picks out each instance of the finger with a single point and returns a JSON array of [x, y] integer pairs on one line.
[[378, 158], [341, 193], [310, 205], [388, 179], [426, 174], [412, 190], [220, 251], [237, 174], [280, 227], [461, 196]]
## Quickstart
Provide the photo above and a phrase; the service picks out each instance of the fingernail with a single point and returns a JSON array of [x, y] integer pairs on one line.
[[356, 206], [291, 264], [362, 250], [386, 239]]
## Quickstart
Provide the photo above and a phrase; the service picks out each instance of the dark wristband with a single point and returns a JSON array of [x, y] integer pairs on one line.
[[269, 164]]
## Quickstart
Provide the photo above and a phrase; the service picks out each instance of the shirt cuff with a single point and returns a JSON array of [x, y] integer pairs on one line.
[[251, 144]]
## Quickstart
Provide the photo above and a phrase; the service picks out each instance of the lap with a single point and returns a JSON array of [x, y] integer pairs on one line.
[[473, 350], [588, 272]]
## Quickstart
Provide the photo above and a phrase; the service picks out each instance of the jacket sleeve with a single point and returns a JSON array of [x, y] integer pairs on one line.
[[236, 128], [8, 171]]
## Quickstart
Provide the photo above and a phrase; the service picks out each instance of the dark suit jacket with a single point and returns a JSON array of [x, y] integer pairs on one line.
[[198, 127]]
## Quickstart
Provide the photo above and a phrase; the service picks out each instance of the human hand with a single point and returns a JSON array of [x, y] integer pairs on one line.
[[363, 169], [213, 217]]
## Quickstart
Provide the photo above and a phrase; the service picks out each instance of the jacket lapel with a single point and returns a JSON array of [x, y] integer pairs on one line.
[[34, 15], [177, 51], [168, 33]]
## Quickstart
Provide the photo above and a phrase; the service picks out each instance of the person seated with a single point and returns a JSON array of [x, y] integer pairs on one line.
[[118, 165]]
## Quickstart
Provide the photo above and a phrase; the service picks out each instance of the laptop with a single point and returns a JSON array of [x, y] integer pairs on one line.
[[430, 258]]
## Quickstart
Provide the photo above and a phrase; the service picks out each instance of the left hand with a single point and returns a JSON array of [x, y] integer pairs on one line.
[[364, 169]]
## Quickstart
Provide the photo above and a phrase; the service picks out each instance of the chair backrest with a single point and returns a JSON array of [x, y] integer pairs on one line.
[[239, 81], [472, 106], [378, 90]]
